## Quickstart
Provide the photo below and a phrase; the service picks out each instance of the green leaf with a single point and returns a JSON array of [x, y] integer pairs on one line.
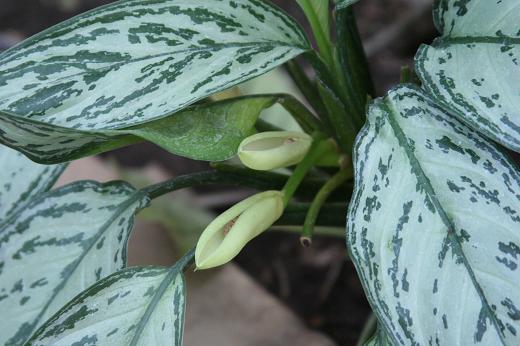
[[204, 132], [433, 226], [135, 306], [209, 132], [21, 180], [474, 68], [317, 13], [341, 4], [58, 245], [132, 62], [320, 8]]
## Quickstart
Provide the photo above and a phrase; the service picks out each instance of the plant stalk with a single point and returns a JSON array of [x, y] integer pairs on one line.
[[310, 220], [318, 147], [212, 178], [331, 215]]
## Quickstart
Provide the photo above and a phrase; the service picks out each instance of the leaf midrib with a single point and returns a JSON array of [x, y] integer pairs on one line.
[[455, 40], [429, 190], [158, 294]]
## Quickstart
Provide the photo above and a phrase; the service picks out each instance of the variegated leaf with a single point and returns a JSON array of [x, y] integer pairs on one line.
[[58, 245], [379, 339], [474, 68], [434, 226], [132, 62], [21, 180], [341, 4], [209, 132], [135, 306]]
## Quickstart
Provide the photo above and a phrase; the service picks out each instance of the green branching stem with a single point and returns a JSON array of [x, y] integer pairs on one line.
[[206, 178], [331, 215], [308, 188], [321, 231], [234, 176], [318, 148], [310, 220]]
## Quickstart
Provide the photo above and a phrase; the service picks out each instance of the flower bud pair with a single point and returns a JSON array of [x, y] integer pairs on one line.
[[225, 236]]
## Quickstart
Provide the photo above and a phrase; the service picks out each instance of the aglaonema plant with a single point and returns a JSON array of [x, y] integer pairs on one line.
[[433, 222]]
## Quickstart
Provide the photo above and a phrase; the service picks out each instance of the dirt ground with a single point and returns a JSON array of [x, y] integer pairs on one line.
[[319, 283]]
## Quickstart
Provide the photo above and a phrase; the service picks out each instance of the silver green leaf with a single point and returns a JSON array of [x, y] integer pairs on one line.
[[209, 132], [21, 180], [473, 70], [135, 306], [58, 245], [379, 339], [132, 62], [434, 226], [341, 4]]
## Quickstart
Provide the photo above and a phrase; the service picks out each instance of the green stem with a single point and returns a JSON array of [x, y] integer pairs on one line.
[[318, 147], [212, 178], [306, 87], [310, 221], [326, 231], [276, 181], [368, 330], [331, 215], [235, 176]]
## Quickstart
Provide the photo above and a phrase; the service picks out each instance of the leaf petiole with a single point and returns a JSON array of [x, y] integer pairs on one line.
[[310, 220], [318, 148]]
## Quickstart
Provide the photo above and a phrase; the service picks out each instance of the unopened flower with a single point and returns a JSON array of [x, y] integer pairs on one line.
[[271, 150], [225, 236]]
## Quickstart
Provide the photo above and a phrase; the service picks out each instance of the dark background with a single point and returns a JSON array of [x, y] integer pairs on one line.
[[319, 284]]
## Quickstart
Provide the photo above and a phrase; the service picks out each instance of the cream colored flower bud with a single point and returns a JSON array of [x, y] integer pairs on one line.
[[271, 150], [225, 236]]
